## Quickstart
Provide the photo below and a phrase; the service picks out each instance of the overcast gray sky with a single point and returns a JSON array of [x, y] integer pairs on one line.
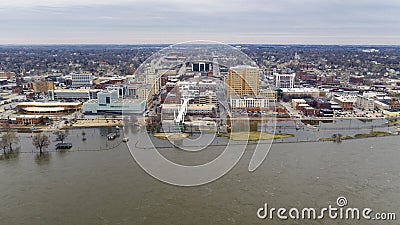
[[172, 21]]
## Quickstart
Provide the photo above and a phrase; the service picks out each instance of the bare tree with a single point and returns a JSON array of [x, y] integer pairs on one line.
[[61, 136], [4, 145], [8, 139], [40, 141], [83, 136], [12, 138], [339, 138]]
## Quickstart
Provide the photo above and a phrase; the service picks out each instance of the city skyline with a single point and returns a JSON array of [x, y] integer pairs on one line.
[[152, 22]]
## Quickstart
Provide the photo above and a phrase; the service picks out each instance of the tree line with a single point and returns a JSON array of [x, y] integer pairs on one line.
[[40, 141]]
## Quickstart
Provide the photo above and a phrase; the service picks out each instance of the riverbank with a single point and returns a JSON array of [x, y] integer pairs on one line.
[[373, 134], [171, 136], [235, 136], [78, 124], [254, 136], [93, 123], [358, 136]]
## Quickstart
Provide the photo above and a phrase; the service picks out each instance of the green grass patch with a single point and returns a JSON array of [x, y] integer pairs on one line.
[[393, 121], [373, 134], [171, 136], [254, 136], [336, 139], [311, 122]]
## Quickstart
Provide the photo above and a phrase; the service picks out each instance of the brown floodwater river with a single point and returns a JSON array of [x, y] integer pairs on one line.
[[98, 182]]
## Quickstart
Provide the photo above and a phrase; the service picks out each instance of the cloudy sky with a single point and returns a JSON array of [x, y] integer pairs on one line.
[[172, 21]]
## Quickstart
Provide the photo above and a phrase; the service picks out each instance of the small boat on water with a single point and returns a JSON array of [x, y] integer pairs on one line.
[[125, 139]]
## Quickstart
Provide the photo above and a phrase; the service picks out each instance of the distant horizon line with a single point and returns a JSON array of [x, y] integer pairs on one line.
[[169, 44]]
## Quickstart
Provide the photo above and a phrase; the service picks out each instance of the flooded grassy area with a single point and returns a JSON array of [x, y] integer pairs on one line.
[[171, 136], [373, 134], [255, 136], [335, 138]]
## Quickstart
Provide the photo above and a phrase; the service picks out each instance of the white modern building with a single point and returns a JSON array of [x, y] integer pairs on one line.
[[284, 80], [108, 102], [381, 105], [188, 89], [73, 94], [252, 103], [290, 93], [364, 103], [122, 90], [207, 84], [82, 80]]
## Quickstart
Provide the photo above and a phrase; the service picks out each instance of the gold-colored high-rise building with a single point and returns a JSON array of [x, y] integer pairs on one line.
[[43, 86], [243, 81]]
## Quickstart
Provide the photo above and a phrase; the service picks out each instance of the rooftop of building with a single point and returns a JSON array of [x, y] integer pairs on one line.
[[298, 100], [129, 101], [190, 106], [47, 104], [248, 98], [243, 67], [29, 116], [75, 90], [82, 73], [303, 89], [137, 101], [322, 100], [208, 92], [44, 109], [344, 99]]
